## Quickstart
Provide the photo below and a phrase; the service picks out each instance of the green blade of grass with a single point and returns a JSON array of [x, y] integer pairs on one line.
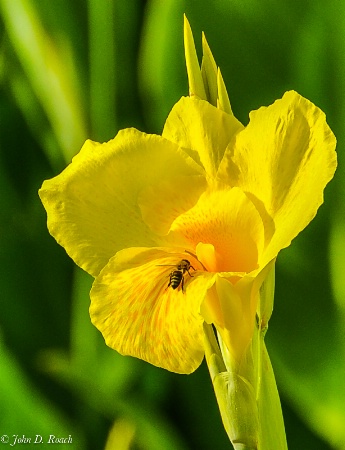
[[102, 61], [50, 72]]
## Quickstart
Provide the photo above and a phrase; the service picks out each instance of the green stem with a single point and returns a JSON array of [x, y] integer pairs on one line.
[[235, 396], [246, 391]]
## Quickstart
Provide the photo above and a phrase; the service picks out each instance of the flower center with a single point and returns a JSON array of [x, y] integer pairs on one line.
[[237, 255], [226, 231]]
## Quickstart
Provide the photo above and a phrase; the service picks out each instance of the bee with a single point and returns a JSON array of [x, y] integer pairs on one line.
[[176, 277]]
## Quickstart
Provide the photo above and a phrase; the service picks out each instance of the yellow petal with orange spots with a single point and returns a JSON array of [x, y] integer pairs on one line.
[[229, 226], [139, 315]]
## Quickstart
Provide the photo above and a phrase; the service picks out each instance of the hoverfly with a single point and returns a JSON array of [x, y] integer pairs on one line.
[[176, 277]]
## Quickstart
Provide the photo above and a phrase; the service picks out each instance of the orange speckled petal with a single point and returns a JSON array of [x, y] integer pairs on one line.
[[229, 221], [139, 316]]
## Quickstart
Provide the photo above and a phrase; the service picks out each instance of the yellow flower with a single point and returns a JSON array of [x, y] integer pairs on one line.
[[224, 197]]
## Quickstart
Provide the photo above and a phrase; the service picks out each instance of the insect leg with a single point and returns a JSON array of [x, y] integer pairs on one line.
[[189, 272], [169, 282]]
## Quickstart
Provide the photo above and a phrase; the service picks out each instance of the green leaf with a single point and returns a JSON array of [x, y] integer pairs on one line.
[[23, 409], [50, 71], [103, 68]]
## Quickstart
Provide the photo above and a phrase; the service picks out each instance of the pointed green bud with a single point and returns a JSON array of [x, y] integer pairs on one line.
[[223, 98], [196, 84], [209, 73]]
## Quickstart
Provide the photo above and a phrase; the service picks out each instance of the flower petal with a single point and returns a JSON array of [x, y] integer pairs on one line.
[[283, 159], [202, 130], [139, 316], [228, 226], [232, 312], [92, 205], [231, 307], [162, 202]]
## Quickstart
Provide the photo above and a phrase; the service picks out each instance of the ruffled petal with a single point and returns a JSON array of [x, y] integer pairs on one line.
[[92, 205], [140, 316], [202, 130], [283, 160]]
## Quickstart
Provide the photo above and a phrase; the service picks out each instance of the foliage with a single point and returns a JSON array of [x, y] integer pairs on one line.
[[76, 70]]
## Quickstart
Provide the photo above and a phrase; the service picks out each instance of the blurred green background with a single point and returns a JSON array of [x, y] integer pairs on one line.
[[71, 70]]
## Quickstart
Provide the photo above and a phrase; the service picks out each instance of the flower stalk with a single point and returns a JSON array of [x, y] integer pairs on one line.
[[246, 391]]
